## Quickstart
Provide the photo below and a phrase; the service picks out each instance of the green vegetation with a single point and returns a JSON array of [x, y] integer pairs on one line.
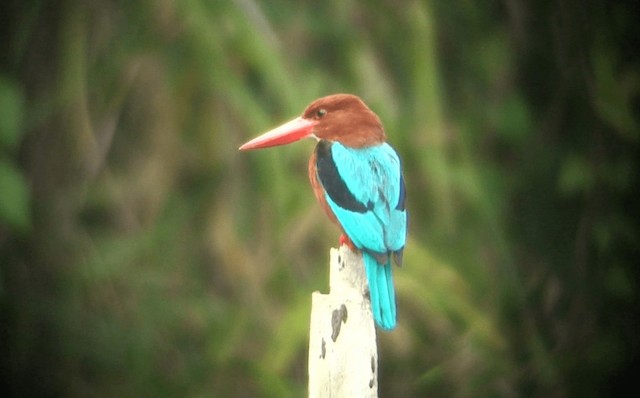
[[142, 255]]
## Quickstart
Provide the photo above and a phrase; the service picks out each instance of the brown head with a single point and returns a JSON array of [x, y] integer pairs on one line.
[[346, 119], [339, 117]]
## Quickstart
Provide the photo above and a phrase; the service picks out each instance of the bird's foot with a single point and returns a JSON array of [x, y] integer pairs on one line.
[[344, 240]]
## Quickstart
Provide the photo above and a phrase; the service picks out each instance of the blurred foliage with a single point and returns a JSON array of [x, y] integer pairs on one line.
[[142, 255], [14, 207]]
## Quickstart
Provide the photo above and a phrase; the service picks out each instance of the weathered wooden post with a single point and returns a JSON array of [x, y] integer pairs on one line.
[[343, 357]]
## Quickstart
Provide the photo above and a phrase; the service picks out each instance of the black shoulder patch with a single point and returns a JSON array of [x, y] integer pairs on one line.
[[403, 195], [331, 181]]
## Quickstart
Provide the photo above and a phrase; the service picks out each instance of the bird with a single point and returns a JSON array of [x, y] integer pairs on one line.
[[357, 178]]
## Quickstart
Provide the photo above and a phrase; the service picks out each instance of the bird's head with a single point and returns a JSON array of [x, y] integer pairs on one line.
[[339, 117]]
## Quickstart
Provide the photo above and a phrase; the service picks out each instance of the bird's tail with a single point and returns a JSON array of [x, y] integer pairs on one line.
[[381, 291]]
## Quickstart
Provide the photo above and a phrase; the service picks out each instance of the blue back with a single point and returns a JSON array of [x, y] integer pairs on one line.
[[373, 177], [365, 190]]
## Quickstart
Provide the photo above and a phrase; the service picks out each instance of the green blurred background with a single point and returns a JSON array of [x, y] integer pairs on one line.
[[142, 255]]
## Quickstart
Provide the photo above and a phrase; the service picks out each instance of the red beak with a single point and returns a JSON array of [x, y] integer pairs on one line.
[[291, 131]]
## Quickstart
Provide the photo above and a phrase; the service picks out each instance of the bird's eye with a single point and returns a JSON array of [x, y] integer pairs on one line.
[[321, 112]]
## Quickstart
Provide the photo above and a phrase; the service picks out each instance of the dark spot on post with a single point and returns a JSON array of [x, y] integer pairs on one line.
[[336, 324], [373, 371], [323, 349], [337, 318]]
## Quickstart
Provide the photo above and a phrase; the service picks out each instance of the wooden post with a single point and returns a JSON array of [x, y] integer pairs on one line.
[[343, 357]]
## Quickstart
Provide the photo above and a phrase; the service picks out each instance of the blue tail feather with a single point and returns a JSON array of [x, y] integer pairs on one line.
[[391, 292], [371, 267], [381, 292]]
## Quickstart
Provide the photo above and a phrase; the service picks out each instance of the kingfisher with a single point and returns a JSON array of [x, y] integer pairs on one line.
[[357, 178]]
